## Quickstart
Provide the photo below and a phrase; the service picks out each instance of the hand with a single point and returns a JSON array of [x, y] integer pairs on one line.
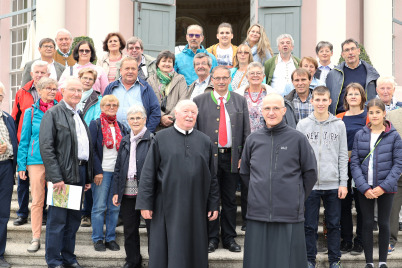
[[378, 191], [98, 179], [3, 148], [59, 186], [238, 165], [166, 120], [114, 199], [22, 175], [369, 194], [213, 215], [342, 192], [87, 187], [146, 214]]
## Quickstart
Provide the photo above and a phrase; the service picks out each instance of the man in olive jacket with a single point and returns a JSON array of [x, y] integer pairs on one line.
[[65, 147]]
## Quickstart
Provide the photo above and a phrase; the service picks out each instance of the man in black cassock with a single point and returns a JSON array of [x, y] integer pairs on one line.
[[179, 192]]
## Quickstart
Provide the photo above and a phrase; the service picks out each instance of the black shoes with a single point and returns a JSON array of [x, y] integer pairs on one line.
[[212, 246], [346, 247], [74, 265], [233, 247], [99, 246], [400, 226], [375, 226], [20, 221], [112, 245], [357, 249]]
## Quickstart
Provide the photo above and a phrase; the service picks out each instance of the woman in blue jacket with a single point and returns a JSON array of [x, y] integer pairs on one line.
[[29, 158], [376, 165]]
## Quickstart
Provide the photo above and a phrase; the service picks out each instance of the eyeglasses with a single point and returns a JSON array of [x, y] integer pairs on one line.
[[353, 94], [138, 118], [87, 79], [111, 105], [79, 91], [86, 51], [350, 49], [50, 89], [255, 73], [134, 48], [48, 47], [201, 63], [273, 109], [194, 35], [243, 52], [225, 78]]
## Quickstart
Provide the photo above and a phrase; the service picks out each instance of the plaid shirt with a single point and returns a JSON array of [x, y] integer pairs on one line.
[[302, 109]]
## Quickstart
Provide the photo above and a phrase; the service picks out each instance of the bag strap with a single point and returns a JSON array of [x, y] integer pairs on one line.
[[372, 150]]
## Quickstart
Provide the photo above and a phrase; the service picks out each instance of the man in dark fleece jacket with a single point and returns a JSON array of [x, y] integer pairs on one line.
[[279, 167]]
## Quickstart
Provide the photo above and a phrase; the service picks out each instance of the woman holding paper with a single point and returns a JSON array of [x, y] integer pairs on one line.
[[29, 157], [131, 157]]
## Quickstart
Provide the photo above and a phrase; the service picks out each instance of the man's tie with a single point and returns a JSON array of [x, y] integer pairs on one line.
[[223, 136]]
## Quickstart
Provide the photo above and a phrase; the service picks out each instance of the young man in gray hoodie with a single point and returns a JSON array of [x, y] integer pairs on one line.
[[327, 135]]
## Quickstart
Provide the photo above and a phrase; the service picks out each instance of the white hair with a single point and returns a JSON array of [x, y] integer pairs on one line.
[[137, 108], [195, 26], [181, 104], [386, 79], [62, 30], [70, 80], [40, 63], [2, 87], [282, 36]]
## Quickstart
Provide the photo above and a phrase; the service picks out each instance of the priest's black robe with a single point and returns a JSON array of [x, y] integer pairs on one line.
[[178, 184]]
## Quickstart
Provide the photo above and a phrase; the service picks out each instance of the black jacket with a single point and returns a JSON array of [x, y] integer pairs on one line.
[[279, 168], [59, 146], [123, 159]]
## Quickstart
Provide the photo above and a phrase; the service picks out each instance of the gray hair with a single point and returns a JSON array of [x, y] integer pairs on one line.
[[282, 36], [46, 81], [133, 40], [40, 63], [348, 41], [62, 30], [203, 55], [183, 103], [137, 108], [322, 44], [255, 64], [195, 26], [386, 79], [69, 80]]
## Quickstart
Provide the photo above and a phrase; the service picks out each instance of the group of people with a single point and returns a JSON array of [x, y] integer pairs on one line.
[[170, 139]]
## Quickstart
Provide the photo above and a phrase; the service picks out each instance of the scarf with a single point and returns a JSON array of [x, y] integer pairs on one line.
[[164, 81], [84, 98], [43, 106], [107, 132], [132, 164]]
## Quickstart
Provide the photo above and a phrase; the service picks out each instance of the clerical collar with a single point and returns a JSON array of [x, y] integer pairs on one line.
[[184, 132]]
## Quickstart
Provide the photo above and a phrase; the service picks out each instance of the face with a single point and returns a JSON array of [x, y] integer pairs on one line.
[[309, 66], [221, 81], [38, 73], [301, 83], [136, 122], [386, 91], [273, 110], [321, 103], [255, 76], [351, 54], [47, 50], [325, 54], [254, 34], [72, 93], [129, 72], [135, 51], [243, 55], [84, 53], [166, 65], [376, 115], [194, 38], [201, 67], [285, 46], [87, 80], [63, 41], [353, 97], [48, 93], [113, 44], [186, 117], [1, 95], [224, 35], [110, 108]]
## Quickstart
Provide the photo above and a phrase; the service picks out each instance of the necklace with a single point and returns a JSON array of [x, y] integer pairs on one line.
[[254, 102]]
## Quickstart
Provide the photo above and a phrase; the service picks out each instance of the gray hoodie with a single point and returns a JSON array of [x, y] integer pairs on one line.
[[329, 142]]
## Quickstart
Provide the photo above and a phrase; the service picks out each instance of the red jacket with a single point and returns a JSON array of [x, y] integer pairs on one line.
[[23, 101]]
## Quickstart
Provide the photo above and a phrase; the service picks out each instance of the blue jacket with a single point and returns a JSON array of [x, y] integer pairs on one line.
[[123, 158], [92, 109], [184, 63], [12, 132], [149, 101], [28, 150], [97, 139], [387, 162]]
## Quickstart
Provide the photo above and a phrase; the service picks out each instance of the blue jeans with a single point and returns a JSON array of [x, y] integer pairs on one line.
[[6, 191], [332, 205], [23, 197], [102, 201], [88, 202]]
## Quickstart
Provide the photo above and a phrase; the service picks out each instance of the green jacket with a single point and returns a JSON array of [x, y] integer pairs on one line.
[[270, 66]]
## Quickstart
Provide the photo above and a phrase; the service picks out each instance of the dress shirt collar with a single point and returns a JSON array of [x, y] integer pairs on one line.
[[197, 82], [360, 62], [217, 96]]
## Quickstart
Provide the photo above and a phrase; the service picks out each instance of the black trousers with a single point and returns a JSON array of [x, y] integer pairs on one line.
[[131, 223], [384, 211], [227, 186]]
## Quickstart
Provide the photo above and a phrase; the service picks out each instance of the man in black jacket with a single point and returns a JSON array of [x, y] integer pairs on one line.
[[65, 147], [279, 168]]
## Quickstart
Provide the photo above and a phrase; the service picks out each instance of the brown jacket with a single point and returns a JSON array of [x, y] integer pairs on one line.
[[62, 60]]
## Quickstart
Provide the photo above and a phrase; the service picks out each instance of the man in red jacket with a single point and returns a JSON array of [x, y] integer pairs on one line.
[[25, 97]]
